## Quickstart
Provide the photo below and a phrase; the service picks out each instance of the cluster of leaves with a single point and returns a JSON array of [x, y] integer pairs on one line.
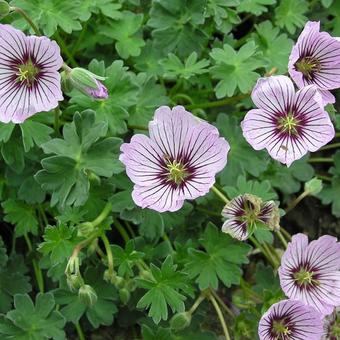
[[60, 169]]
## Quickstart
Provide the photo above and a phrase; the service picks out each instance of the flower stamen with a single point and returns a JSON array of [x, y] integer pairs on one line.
[[304, 277], [289, 124], [308, 66], [27, 72], [280, 329], [177, 171]]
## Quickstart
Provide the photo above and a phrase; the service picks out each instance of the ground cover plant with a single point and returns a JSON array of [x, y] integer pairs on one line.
[[170, 169]]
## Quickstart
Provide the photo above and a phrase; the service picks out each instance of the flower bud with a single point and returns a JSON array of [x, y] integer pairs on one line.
[[85, 229], [87, 83], [74, 282], [4, 9], [180, 321], [72, 266], [113, 278], [87, 295], [124, 295], [314, 186]]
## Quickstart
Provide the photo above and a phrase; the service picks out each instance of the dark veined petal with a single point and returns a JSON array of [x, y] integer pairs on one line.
[[300, 321]]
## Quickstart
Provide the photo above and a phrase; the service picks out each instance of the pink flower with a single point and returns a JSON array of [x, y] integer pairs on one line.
[[178, 161], [291, 320], [310, 272], [315, 60], [29, 77], [287, 123]]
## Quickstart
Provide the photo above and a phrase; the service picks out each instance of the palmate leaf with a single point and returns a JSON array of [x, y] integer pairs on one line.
[[220, 260], [81, 154], [164, 289], [29, 321], [276, 47], [256, 7], [290, 14], [22, 215], [123, 92], [176, 26], [235, 69], [125, 32]]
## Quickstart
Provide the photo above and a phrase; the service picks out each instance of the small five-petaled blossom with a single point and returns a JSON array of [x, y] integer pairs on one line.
[[310, 272], [315, 59], [287, 123], [289, 319], [245, 213], [178, 161], [29, 77]]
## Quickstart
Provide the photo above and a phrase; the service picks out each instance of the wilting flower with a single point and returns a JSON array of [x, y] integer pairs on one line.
[[286, 123], [179, 161], [315, 59], [29, 78], [245, 213], [288, 320], [310, 272]]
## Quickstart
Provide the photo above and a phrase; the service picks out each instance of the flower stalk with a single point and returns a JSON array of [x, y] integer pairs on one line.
[[27, 18]]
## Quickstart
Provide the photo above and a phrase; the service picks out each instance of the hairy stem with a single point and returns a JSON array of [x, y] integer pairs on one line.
[[330, 146], [321, 160], [108, 253], [217, 103], [263, 251], [220, 194], [27, 18], [220, 316], [80, 332], [222, 304], [282, 239], [37, 271], [65, 49], [198, 301], [102, 216], [121, 230], [297, 200]]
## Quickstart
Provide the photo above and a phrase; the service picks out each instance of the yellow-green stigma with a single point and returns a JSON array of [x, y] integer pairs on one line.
[[280, 329], [177, 171], [289, 124], [27, 73], [304, 277], [307, 66]]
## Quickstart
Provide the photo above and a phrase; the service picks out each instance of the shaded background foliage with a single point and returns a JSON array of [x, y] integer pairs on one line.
[[59, 170]]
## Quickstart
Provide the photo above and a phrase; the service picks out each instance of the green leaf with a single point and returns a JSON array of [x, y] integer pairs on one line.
[[51, 14], [242, 158], [59, 241], [123, 95], [125, 31], [176, 26], [290, 14], [80, 156], [125, 259], [34, 133], [29, 321], [220, 260], [101, 313], [12, 279], [256, 7], [175, 68], [262, 189], [276, 47], [163, 290], [235, 69], [150, 96], [22, 215]]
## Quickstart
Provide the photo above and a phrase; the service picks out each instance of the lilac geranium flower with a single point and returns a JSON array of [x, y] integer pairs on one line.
[[245, 213], [290, 320], [29, 77], [310, 272], [287, 123], [315, 59], [178, 161]]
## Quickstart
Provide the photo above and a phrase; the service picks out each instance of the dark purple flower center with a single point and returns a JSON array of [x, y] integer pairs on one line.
[[308, 66], [27, 73]]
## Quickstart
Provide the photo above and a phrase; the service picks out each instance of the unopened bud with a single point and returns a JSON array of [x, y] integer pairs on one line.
[[87, 295], [4, 9], [74, 282], [124, 295], [113, 278], [180, 321], [314, 186], [87, 82]]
